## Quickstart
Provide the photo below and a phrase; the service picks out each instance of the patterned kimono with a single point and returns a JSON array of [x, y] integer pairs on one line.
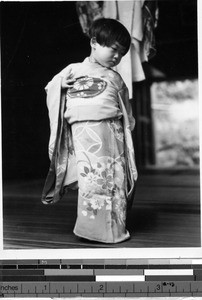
[[91, 148]]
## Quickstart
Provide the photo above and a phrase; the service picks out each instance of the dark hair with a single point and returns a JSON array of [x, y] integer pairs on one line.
[[109, 31]]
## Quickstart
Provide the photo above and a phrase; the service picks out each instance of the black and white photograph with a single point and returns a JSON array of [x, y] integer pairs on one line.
[[100, 120]]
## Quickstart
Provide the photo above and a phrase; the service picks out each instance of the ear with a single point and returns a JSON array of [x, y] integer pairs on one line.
[[93, 42]]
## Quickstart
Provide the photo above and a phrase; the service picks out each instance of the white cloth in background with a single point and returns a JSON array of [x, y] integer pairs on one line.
[[129, 13]]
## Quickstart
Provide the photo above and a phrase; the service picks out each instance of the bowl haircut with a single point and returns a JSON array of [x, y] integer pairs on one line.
[[110, 31]]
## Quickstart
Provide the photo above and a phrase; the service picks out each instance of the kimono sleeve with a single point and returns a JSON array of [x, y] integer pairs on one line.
[[66, 72], [54, 94], [124, 94]]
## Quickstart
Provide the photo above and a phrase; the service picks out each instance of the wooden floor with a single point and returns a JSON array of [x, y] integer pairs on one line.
[[165, 213]]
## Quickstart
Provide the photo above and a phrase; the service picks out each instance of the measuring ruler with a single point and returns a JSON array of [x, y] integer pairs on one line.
[[100, 278]]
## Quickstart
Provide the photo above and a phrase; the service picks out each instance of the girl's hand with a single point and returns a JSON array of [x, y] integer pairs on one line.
[[67, 81]]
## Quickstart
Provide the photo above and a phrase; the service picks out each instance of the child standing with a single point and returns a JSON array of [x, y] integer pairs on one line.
[[90, 144]]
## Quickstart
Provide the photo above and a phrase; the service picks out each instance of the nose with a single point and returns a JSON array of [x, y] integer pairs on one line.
[[116, 55]]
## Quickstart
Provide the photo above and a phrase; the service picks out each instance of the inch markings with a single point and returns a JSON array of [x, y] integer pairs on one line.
[[166, 288]]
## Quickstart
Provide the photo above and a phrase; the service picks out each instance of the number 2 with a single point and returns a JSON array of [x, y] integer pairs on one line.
[[101, 287]]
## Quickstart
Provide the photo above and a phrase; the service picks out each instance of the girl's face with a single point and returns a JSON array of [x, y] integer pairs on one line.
[[107, 56]]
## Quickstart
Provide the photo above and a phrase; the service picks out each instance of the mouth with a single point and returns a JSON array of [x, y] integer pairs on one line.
[[113, 62]]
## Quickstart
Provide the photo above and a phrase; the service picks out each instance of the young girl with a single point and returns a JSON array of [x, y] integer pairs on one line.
[[90, 144]]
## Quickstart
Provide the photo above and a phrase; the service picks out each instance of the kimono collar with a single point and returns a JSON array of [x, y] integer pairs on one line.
[[93, 63]]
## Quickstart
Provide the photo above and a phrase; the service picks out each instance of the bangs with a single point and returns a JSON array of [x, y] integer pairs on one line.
[[108, 40]]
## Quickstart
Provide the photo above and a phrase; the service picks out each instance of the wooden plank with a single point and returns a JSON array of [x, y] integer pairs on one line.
[[165, 213]]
